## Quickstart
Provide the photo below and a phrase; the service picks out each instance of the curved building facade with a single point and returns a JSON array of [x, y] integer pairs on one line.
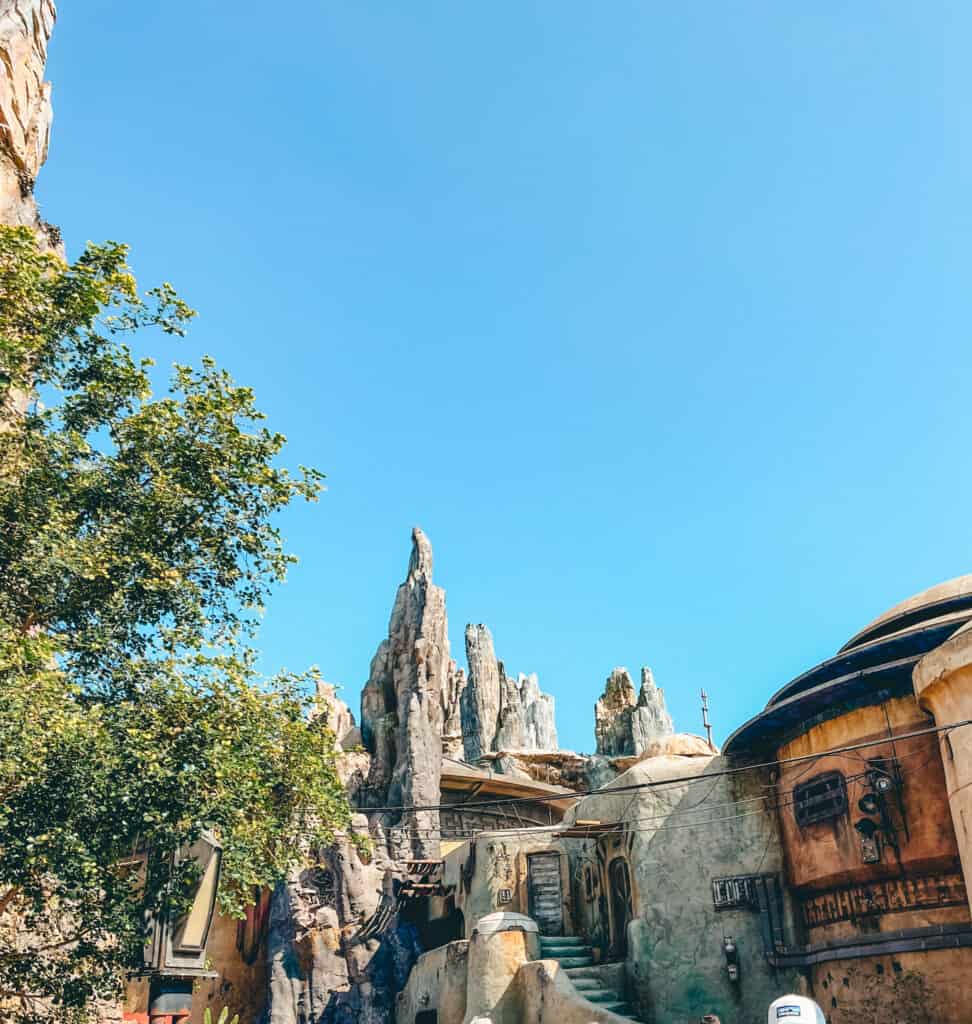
[[873, 859]]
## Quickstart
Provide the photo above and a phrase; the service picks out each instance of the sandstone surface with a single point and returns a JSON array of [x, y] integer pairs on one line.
[[25, 105]]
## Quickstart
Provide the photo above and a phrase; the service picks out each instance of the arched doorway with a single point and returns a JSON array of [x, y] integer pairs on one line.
[[619, 882]]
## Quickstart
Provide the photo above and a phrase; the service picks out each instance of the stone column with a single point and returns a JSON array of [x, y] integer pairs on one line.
[[501, 944], [943, 686]]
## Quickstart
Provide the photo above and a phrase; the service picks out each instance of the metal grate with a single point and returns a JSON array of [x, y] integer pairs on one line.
[[821, 798], [736, 891]]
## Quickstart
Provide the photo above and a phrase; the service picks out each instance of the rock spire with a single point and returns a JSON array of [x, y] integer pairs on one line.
[[411, 694], [625, 724], [500, 712]]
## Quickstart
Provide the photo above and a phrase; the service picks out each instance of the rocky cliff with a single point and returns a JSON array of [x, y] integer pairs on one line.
[[25, 106], [412, 691], [625, 724], [337, 950], [498, 711]]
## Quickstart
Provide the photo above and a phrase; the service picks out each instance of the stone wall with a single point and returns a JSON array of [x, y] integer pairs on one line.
[[677, 838]]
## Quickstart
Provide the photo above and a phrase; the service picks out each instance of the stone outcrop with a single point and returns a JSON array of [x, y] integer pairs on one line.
[[25, 105], [526, 718], [411, 692], [625, 724], [498, 711], [338, 716], [336, 948], [481, 699]]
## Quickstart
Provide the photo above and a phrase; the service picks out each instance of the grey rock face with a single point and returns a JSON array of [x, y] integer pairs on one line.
[[337, 951], [625, 724], [338, 715], [481, 699], [526, 719], [25, 104], [411, 694], [498, 711]]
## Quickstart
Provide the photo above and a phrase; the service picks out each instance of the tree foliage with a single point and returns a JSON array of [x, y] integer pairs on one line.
[[137, 546]]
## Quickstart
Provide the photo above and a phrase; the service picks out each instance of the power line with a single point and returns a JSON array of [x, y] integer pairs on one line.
[[611, 790], [630, 824]]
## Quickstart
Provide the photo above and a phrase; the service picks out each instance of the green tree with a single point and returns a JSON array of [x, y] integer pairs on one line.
[[137, 546]]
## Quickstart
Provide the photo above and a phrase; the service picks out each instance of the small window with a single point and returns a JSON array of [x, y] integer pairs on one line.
[[822, 798]]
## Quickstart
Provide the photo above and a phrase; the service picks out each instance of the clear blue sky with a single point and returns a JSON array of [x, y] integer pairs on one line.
[[656, 317]]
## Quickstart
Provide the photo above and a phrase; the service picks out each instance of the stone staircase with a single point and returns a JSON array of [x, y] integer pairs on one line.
[[592, 981]]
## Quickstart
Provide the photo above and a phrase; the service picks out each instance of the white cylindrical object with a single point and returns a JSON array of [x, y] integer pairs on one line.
[[795, 1010]]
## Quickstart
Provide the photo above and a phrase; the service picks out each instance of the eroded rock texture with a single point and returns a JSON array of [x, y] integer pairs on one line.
[[25, 104], [337, 950], [498, 711], [625, 724], [410, 694], [526, 718]]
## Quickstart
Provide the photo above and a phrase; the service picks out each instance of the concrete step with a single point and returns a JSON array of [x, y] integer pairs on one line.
[[569, 962], [564, 940], [598, 995], [565, 952], [586, 985], [618, 1007]]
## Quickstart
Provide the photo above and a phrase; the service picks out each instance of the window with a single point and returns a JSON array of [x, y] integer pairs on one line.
[[822, 798]]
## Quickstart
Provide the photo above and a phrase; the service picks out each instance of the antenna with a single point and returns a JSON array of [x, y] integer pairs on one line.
[[705, 719]]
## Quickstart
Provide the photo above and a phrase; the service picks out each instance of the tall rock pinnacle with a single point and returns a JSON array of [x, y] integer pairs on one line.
[[625, 724], [410, 696], [25, 105], [499, 712]]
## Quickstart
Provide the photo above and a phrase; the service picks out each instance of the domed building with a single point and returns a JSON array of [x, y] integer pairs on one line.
[[873, 837]]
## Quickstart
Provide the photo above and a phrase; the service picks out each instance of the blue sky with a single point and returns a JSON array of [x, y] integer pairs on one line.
[[654, 316]]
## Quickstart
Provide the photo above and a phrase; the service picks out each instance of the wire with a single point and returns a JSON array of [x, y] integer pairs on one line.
[[611, 790], [632, 824]]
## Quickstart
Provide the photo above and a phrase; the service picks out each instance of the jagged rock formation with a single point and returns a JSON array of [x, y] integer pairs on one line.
[[625, 724], [337, 951], [499, 712], [526, 718], [25, 105], [481, 699], [338, 716], [410, 693]]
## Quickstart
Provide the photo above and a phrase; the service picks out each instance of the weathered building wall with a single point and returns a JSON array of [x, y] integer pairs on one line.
[[437, 982], [676, 840], [943, 685], [491, 873], [828, 854], [842, 898], [241, 985]]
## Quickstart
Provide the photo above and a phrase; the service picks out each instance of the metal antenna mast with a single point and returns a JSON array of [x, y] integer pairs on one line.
[[705, 719]]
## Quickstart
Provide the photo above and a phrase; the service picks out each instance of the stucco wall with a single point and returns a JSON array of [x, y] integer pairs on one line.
[[680, 836], [828, 854], [919, 887], [495, 863], [437, 982]]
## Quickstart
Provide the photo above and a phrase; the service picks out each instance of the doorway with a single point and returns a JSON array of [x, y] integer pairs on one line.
[[619, 880], [546, 895]]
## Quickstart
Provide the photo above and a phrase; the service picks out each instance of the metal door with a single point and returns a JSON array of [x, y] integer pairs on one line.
[[546, 895]]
